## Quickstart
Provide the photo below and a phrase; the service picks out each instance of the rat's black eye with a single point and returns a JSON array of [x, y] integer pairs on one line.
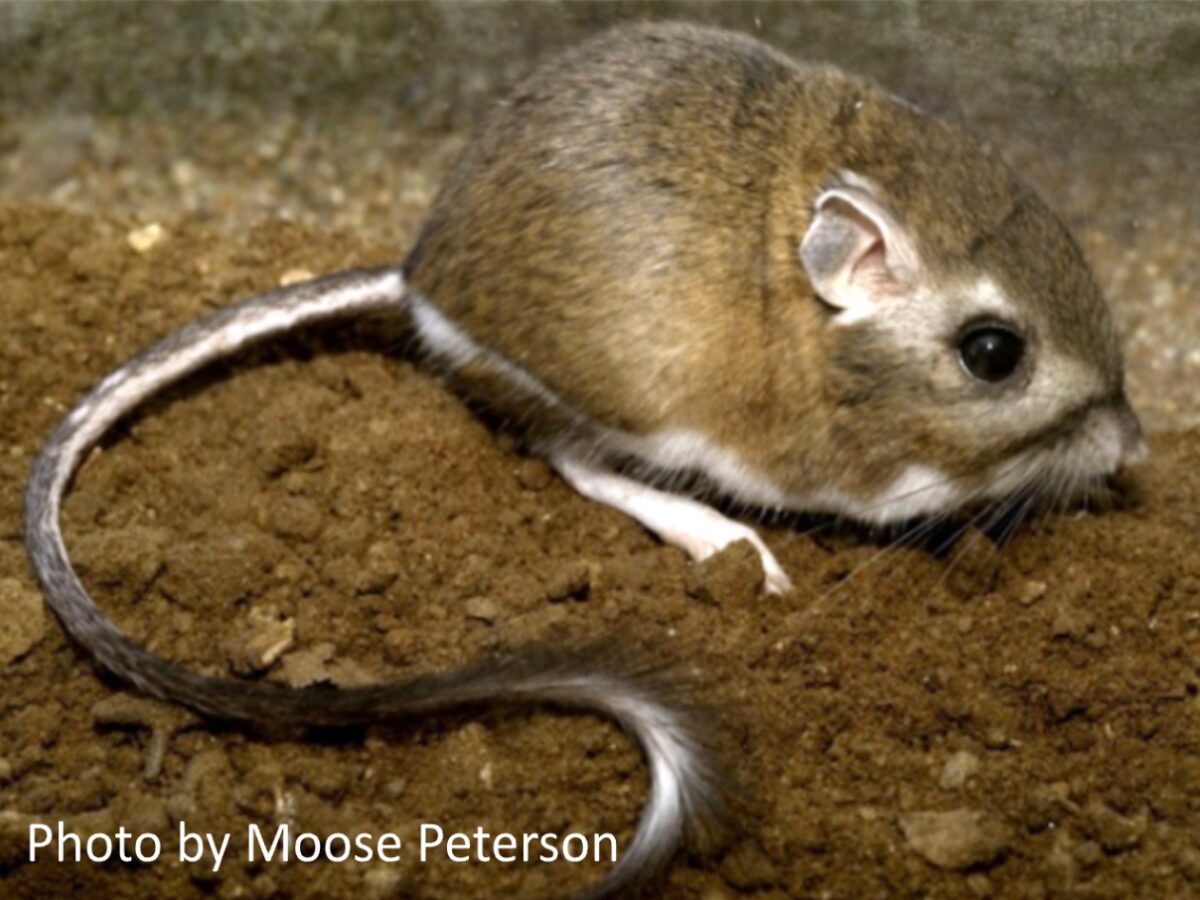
[[990, 352]]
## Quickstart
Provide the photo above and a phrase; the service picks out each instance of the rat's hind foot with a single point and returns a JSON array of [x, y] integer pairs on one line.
[[697, 529]]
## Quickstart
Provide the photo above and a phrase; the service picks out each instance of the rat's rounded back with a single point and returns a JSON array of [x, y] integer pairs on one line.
[[687, 249]]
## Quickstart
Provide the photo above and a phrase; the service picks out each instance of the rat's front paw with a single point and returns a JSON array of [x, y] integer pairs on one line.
[[775, 580], [697, 529]]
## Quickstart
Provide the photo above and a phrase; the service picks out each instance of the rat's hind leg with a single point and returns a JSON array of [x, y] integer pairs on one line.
[[688, 524]]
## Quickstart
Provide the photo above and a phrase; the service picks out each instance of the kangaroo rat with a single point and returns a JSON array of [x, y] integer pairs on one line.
[[674, 251]]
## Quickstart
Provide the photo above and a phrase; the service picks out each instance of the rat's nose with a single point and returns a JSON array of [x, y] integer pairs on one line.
[[1134, 449]]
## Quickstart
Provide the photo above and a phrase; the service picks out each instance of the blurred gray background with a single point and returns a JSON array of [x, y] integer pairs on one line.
[[345, 115], [1122, 70]]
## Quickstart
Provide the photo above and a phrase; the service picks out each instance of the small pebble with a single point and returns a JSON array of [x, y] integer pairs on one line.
[[266, 638], [295, 517], [318, 665], [482, 609], [183, 173], [1030, 592], [295, 276], [956, 839], [571, 581], [958, 768], [302, 668], [145, 239]]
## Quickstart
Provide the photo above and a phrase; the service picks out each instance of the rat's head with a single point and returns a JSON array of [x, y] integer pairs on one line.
[[967, 363]]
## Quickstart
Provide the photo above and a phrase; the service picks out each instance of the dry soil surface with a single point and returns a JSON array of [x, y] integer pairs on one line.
[[1016, 721]]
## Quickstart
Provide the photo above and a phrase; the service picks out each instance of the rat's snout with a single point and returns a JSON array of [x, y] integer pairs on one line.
[[1111, 438], [1134, 449]]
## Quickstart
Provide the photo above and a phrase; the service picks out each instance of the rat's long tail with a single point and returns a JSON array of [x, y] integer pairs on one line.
[[685, 790]]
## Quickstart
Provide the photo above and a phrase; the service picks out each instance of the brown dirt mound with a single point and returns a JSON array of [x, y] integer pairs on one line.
[[1018, 722]]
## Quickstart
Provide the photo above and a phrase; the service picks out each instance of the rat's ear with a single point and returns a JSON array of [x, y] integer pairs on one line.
[[855, 252]]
